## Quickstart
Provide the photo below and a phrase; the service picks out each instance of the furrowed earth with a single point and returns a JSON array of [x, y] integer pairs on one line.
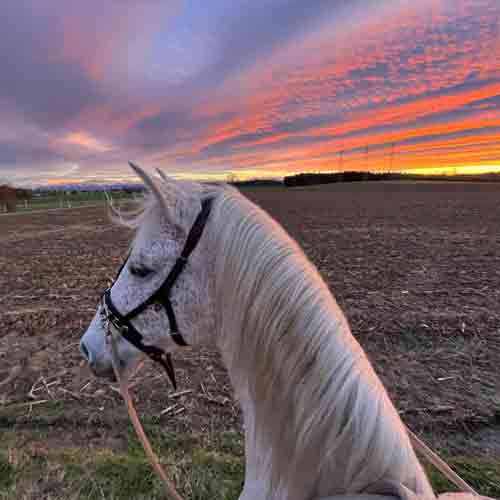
[[414, 266]]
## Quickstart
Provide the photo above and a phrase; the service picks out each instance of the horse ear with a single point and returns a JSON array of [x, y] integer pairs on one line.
[[153, 188], [172, 185], [165, 177]]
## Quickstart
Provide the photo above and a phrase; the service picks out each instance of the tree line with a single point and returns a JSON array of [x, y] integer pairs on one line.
[[309, 179]]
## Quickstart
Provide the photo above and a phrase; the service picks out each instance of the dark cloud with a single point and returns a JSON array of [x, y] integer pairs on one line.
[[12, 154], [51, 95], [161, 130], [254, 29], [46, 89], [164, 122], [380, 69]]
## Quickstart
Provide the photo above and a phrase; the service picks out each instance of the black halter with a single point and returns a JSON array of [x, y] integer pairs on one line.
[[122, 322]]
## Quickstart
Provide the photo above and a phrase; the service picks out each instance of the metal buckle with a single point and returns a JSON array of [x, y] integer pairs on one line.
[[110, 320]]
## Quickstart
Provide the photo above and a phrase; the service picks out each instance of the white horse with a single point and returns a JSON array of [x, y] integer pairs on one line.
[[318, 421]]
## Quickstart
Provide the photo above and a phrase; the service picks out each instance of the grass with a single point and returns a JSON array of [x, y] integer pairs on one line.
[[203, 467], [483, 474], [38, 464], [47, 414], [7, 472]]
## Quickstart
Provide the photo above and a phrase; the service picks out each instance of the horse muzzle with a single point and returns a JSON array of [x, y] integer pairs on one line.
[[98, 369]]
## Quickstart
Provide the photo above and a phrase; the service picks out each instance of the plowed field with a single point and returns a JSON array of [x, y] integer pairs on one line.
[[415, 267]]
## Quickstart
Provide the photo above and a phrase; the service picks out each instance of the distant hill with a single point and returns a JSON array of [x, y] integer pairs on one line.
[[131, 186], [137, 187]]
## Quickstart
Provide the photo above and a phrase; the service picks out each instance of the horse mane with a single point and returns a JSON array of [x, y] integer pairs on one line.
[[320, 407]]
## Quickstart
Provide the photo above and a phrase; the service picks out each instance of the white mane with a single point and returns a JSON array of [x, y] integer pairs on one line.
[[320, 408]]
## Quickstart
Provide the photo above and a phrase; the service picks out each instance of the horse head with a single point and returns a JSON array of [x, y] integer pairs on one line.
[[161, 299]]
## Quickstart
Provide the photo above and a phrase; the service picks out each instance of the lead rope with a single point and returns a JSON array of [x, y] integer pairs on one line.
[[169, 487], [435, 460]]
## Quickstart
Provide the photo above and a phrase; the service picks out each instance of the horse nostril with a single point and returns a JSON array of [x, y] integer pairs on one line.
[[85, 352]]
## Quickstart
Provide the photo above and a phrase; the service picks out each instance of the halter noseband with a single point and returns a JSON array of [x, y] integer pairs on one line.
[[122, 322]]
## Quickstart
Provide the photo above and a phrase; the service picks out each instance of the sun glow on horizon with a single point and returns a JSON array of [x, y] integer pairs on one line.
[[263, 174], [457, 170]]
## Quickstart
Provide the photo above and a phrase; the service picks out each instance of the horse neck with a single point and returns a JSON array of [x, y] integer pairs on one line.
[[315, 402]]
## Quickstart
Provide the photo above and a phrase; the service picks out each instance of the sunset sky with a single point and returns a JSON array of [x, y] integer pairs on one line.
[[254, 88]]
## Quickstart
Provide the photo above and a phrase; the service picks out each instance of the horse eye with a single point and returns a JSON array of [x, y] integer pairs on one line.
[[139, 271]]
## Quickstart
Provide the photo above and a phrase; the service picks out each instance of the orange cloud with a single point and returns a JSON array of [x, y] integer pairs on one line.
[[389, 91], [377, 88], [84, 140]]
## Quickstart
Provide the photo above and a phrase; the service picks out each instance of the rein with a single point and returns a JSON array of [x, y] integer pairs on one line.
[[118, 324], [170, 490], [434, 459]]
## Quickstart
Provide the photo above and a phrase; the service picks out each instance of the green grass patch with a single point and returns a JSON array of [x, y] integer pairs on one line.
[[118, 476], [483, 474], [42, 415], [200, 472], [202, 466], [7, 472], [214, 475]]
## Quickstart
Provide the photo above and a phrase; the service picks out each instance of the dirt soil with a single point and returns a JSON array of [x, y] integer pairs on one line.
[[415, 267]]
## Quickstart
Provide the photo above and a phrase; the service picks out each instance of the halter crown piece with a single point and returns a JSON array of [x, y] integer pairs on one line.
[[116, 322]]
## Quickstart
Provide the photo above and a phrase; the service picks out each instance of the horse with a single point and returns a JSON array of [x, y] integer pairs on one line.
[[209, 267]]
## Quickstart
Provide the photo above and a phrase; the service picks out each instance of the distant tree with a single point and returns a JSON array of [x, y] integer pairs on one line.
[[24, 194], [231, 178], [8, 198]]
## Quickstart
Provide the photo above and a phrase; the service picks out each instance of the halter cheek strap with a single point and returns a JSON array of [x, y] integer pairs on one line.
[[122, 322], [114, 319]]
